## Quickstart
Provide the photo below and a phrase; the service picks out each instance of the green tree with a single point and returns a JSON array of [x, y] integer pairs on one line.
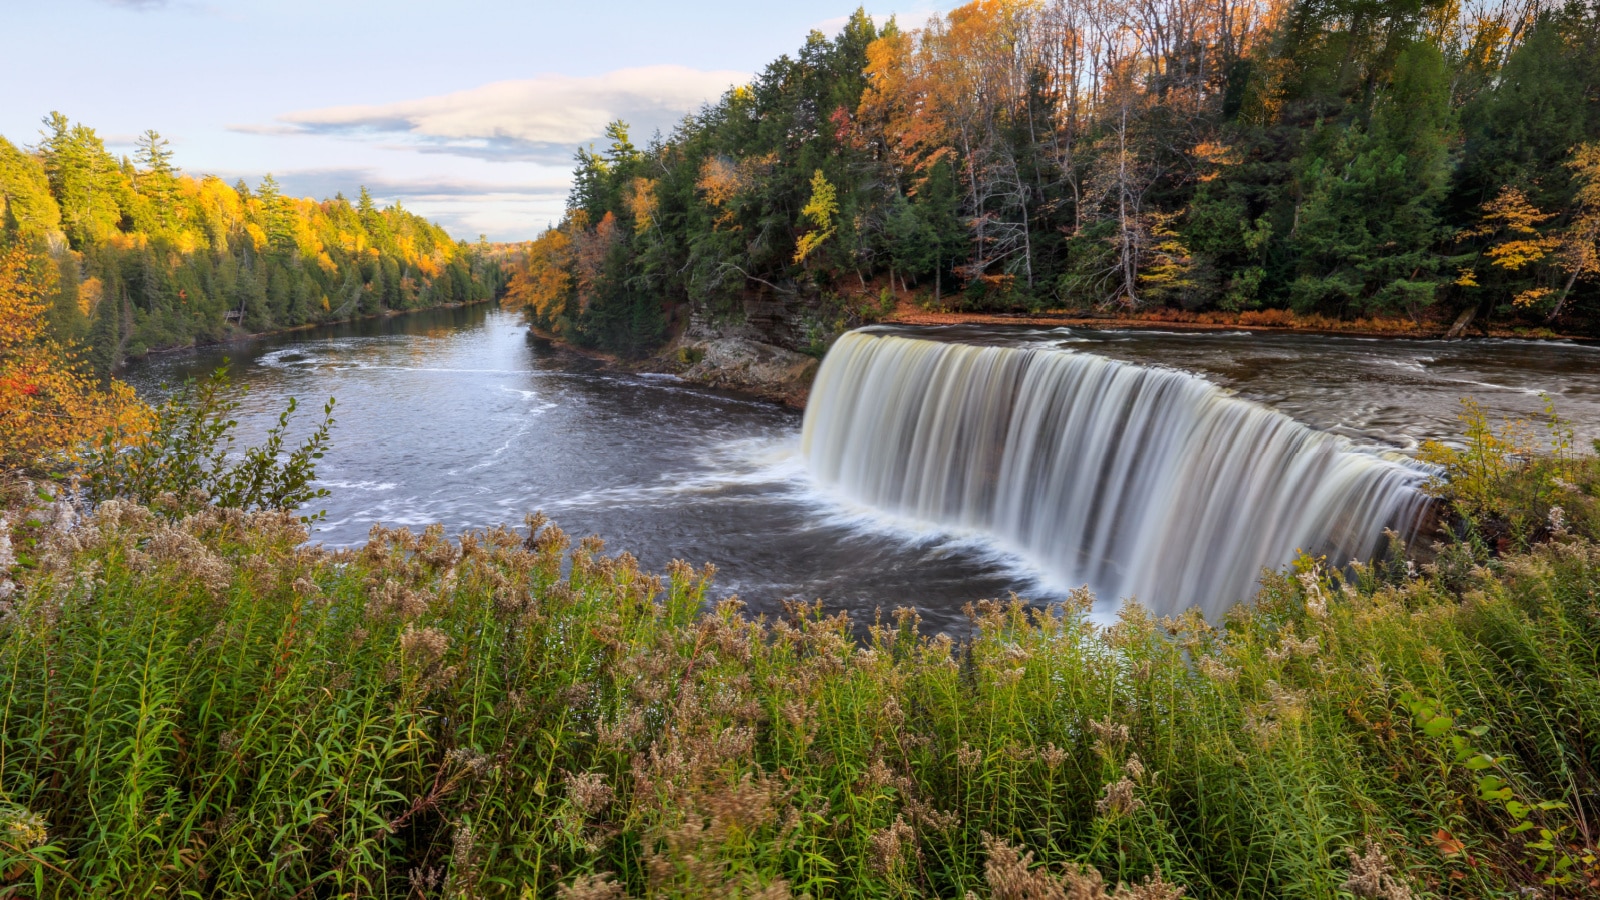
[[1541, 106], [277, 217], [156, 184], [84, 179], [1370, 223]]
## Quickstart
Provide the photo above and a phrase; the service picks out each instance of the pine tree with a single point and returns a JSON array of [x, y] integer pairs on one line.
[[1370, 222], [84, 179]]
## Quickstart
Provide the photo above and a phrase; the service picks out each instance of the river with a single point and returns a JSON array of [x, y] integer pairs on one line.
[[460, 417]]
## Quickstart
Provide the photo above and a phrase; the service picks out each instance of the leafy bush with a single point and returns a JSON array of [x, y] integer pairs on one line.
[[187, 461], [1511, 487]]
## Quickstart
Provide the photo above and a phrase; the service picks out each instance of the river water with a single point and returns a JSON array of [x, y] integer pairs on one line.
[[460, 417]]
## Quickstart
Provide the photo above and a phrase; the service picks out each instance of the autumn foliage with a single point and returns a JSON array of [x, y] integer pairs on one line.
[[542, 281], [48, 399], [149, 257], [1339, 159]]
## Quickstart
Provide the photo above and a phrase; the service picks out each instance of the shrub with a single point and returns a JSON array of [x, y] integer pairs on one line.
[[187, 462], [1511, 487], [50, 401], [208, 707]]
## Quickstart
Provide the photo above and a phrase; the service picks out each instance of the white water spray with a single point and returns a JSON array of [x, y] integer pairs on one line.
[[1138, 482]]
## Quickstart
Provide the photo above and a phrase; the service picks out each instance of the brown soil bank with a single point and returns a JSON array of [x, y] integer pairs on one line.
[[1251, 320]]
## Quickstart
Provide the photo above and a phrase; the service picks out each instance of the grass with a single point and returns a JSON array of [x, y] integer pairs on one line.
[[204, 707]]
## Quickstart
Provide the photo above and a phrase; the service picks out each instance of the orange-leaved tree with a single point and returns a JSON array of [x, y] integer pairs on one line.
[[1580, 244], [542, 282], [49, 400]]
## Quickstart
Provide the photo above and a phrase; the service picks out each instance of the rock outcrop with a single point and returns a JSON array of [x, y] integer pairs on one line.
[[744, 364]]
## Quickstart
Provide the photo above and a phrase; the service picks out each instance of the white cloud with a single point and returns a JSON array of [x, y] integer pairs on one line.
[[535, 118], [505, 209]]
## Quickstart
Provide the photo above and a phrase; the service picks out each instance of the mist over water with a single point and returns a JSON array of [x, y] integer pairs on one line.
[[458, 417]]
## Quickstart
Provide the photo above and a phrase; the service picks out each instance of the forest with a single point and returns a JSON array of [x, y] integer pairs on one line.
[[134, 255], [1410, 159]]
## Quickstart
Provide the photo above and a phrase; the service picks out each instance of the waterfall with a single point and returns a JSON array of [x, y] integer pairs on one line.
[[1139, 482]]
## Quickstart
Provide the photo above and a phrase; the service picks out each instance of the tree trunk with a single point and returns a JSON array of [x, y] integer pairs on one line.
[[1562, 300]]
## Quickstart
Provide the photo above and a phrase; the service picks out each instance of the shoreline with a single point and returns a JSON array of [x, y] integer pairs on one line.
[[308, 326], [1397, 329], [792, 387]]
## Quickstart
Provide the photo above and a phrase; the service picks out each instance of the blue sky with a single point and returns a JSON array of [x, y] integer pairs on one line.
[[466, 111]]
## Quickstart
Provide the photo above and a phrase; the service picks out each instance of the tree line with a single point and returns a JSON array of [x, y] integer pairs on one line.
[[1414, 158], [132, 255]]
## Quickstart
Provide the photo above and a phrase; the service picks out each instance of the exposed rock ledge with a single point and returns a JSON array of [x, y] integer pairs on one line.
[[750, 366]]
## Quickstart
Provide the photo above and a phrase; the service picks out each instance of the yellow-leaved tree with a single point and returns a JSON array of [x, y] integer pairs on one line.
[[1511, 224], [819, 213], [1580, 243], [49, 400]]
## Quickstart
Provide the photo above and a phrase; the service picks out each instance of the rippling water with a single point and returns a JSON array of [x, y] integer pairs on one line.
[[459, 417]]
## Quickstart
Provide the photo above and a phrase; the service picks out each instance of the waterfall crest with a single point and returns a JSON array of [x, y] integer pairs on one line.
[[1138, 482]]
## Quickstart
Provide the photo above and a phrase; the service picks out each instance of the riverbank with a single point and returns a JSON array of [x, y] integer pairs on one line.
[[244, 336], [1265, 321], [746, 359]]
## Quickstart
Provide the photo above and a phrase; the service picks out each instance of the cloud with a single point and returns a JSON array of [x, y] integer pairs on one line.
[[541, 119], [505, 210], [269, 129], [193, 7]]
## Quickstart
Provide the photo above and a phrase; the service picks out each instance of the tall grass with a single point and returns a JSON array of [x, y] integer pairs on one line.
[[208, 708]]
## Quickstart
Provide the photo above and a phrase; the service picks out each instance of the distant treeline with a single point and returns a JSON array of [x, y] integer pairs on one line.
[[1343, 157], [145, 257]]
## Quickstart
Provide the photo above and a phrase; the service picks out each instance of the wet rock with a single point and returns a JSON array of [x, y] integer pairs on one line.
[[746, 365]]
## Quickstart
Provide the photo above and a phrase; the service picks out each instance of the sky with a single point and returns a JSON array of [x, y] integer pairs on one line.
[[467, 111]]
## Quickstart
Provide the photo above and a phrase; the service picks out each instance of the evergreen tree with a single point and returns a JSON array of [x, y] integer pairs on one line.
[[1369, 224], [84, 180]]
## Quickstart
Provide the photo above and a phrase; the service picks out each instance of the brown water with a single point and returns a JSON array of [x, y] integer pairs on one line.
[[458, 417]]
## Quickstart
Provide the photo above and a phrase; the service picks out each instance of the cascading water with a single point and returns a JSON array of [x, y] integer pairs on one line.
[[1138, 482]]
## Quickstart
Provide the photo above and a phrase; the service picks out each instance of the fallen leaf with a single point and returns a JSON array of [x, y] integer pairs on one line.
[[1446, 844]]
